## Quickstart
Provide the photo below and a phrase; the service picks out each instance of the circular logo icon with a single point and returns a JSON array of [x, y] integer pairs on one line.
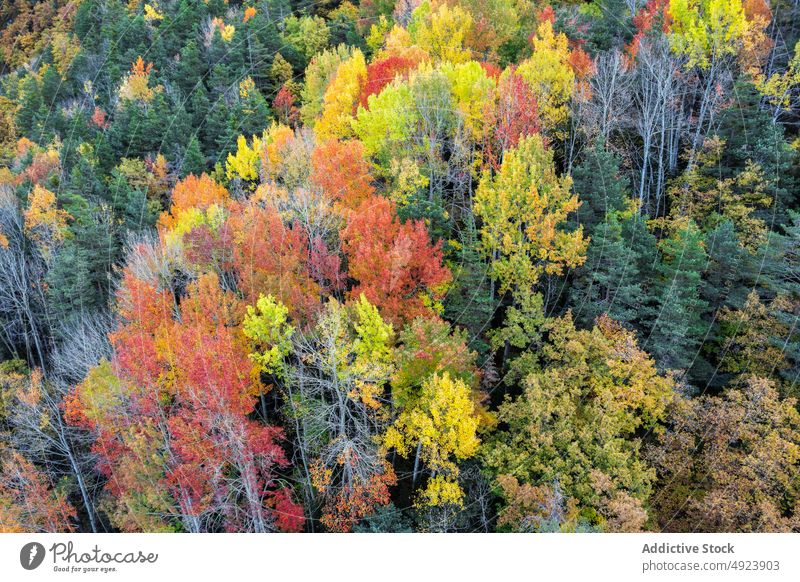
[[31, 555]]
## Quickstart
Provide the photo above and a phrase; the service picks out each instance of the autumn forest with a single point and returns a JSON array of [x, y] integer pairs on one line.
[[399, 266]]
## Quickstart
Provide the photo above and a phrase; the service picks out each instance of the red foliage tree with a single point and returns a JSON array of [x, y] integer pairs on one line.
[[512, 116], [346, 507], [100, 119], [396, 267], [171, 414], [28, 502], [492, 70], [383, 71], [326, 266], [651, 13], [272, 258], [285, 107]]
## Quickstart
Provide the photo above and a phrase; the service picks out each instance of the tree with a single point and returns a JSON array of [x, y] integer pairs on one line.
[[679, 306], [512, 115], [706, 30], [136, 86], [442, 31], [193, 162], [393, 263], [703, 196], [193, 193], [343, 173], [45, 223], [39, 429], [600, 185], [543, 508], [341, 98], [28, 501], [189, 379], [387, 122], [523, 209], [310, 34], [387, 519], [709, 33], [383, 71], [335, 375], [729, 462], [550, 77], [319, 73], [429, 346], [577, 418], [440, 425], [753, 338], [610, 282], [22, 293], [271, 257], [470, 302]]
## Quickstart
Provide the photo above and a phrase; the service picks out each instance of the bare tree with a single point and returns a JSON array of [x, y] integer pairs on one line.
[[609, 108], [334, 428], [654, 92], [23, 318], [40, 431]]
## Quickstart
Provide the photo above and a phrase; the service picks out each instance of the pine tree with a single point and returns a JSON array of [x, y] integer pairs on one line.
[[194, 162], [676, 321], [609, 282], [600, 185]]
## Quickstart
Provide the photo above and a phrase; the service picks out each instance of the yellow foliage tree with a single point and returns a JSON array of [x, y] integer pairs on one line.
[[65, 47], [244, 164], [550, 76], [442, 32], [441, 426], [341, 98], [778, 87], [523, 209], [707, 30], [151, 13], [136, 86], [578, 420], [45, 223]]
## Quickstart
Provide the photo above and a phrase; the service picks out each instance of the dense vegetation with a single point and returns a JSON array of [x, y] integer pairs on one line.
[[426, 265]]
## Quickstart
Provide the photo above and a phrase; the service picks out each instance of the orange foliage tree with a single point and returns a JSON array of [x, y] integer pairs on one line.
[[396, 267], [28, 502], [340, 169], [171, 415]]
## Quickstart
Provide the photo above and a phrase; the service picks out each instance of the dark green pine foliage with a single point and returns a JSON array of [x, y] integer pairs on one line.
[[750, 133], [139, 129], [190, 70], [130, 204], [387, 519], [32, 112], [80, 278], [469, 301], [609, 282], [193, 162], [676, 324], [600, 187], [731, 271], [781, 276]]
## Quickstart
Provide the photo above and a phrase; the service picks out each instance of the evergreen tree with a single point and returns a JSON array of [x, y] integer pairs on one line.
[[609, 282], [676, 320], [194, 162], [600, 186]]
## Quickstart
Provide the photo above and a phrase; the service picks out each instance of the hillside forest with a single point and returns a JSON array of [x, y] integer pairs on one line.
[[412, 266]]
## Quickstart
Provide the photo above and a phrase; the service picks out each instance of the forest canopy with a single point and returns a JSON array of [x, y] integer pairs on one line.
[[378, 266]]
